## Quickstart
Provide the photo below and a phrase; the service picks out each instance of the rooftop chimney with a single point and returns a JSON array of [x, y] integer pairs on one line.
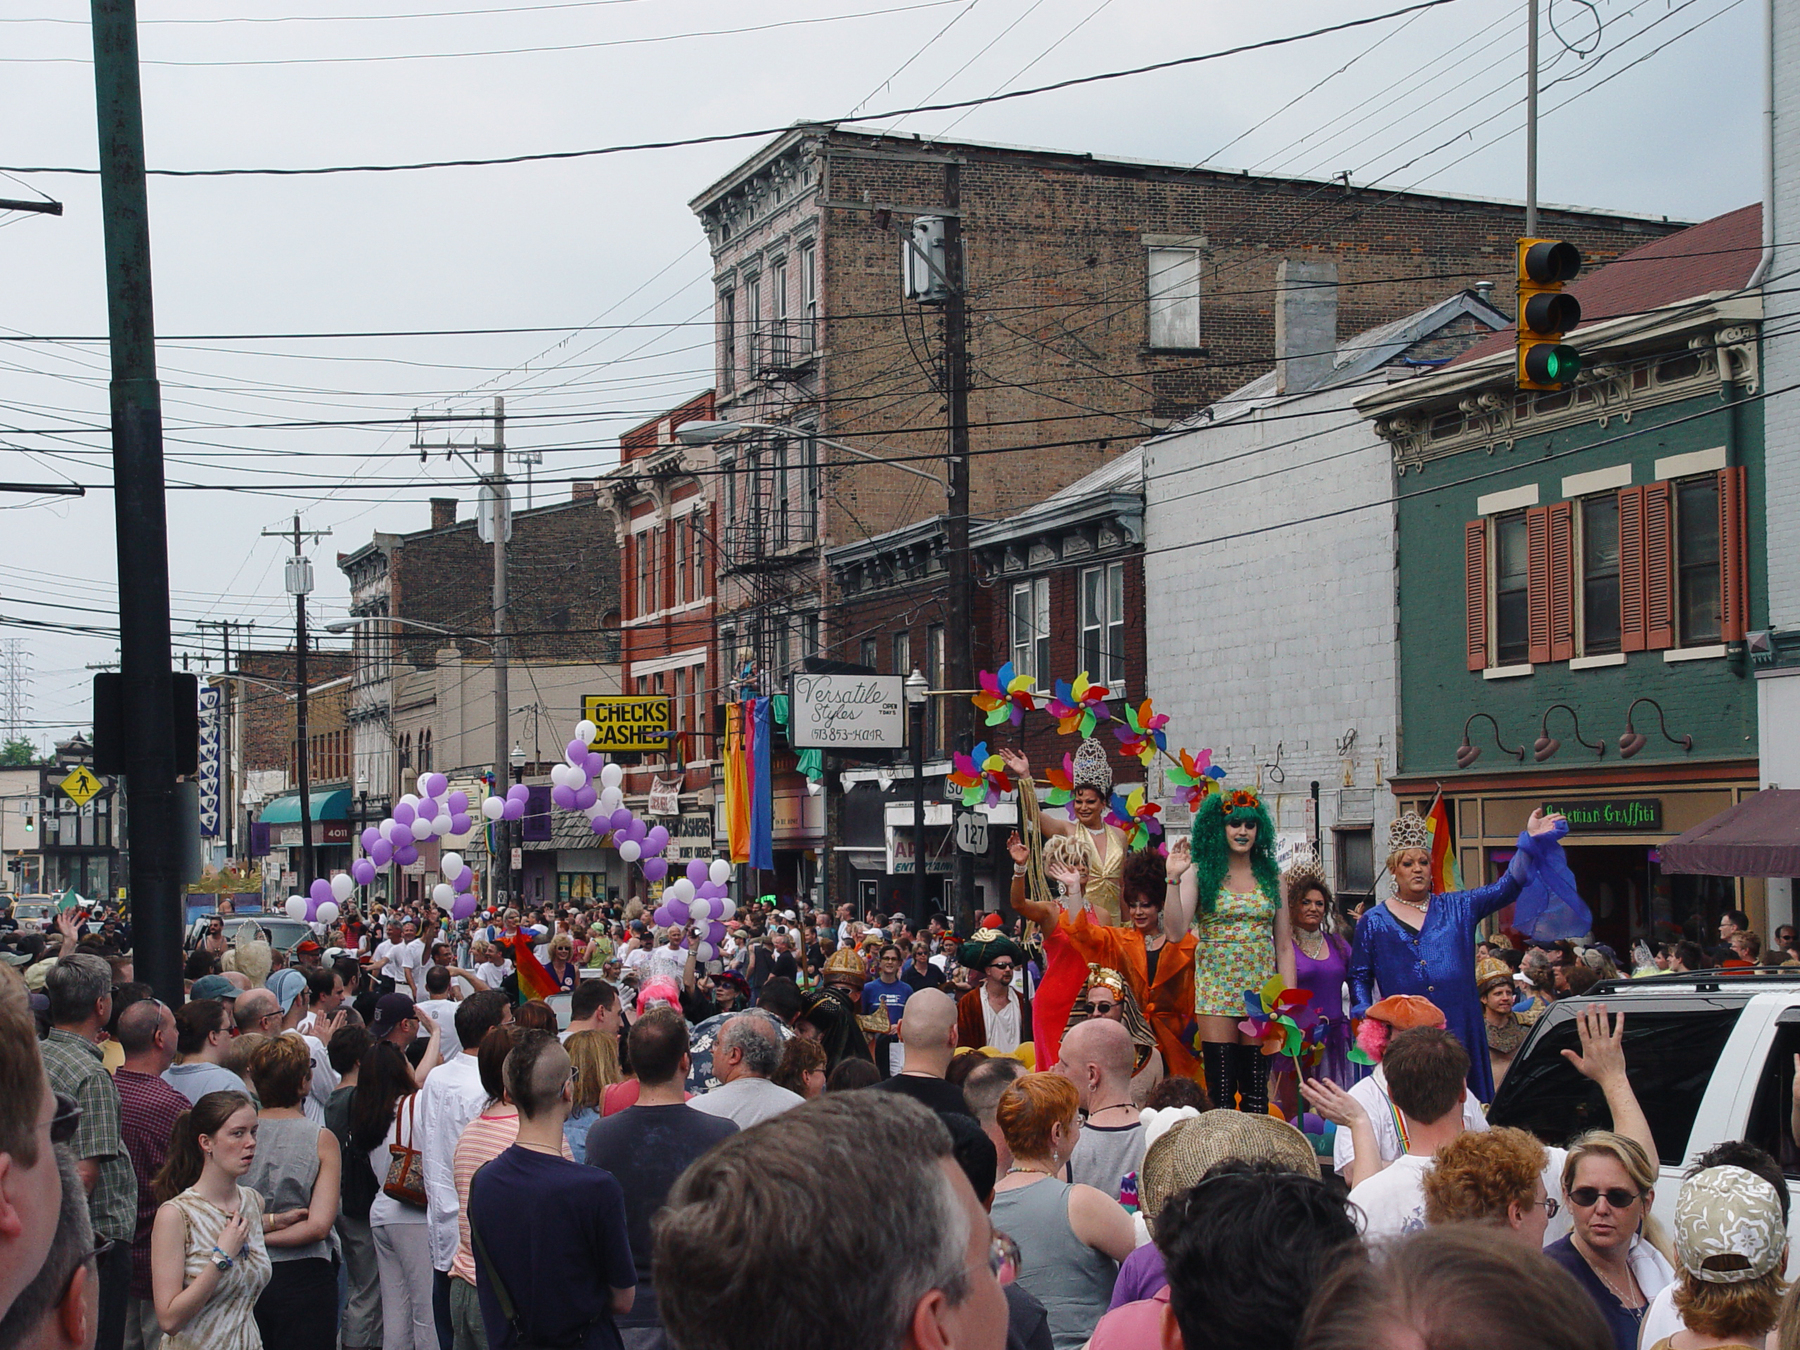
[[1305, 323], [582, 491], [443, 512]]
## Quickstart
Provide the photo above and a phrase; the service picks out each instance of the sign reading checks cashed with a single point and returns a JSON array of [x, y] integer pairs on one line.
[[848, 712], [627, 721]]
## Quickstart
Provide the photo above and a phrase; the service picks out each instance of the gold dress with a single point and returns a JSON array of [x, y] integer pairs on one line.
[[1106, 868]]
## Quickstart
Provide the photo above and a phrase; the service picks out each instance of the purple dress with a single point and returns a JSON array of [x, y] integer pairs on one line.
[[1324, 979]]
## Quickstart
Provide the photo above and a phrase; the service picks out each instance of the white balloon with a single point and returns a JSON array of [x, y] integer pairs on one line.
[[720, 871], [296, 907], [630, 850], [328, 912], [586, 731], [343, 887], [451, 865], [421, 828], [577, 778], [598, 811], [704, 951], [442, 896], [700, 909], [681, 889], [493, 807], [727, 907], [410, 799], [611, 798], [556, 775], [612, 775], [441, 826]]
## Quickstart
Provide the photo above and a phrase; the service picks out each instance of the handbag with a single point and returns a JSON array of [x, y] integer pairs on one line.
[[406, 1171]]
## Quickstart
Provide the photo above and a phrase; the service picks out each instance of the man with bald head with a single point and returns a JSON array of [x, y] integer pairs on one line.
[[258, 1012], [928, 1037], [148, 1108], [1098, 1057]]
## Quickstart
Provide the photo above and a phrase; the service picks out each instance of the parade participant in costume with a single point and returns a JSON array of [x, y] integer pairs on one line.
[[993, 1013], [1229, 890], [1105, 845], [1061, 859], [1506, 1029], [1321, 965], [1419, 943], [833, 1012], [1158, 971]]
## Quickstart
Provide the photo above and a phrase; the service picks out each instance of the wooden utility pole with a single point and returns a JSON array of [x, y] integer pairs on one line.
[[959, 621], [299, 585]]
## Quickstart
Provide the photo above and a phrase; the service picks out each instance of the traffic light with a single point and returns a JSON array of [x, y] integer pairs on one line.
[[30, 823], [1546, 313]]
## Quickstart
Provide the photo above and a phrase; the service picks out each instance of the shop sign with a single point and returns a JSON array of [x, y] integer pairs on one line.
[[847, 712], [323, 832], [900, 853], [665, 797], [636, 722], [1611, 815], [690, 837]]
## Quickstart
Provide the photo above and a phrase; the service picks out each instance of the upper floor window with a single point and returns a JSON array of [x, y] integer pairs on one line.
[[727, 341], [679, 531], [1512, 626], [1600, 575], [1103, 623], [867, 655], [1031, 628], [1697, 561], [809, 293], [902, 653], [778, 291], [1174, 297]]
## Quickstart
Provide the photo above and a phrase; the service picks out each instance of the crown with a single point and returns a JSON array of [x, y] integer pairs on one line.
[[1305, 867], [1409, 831], [1091, 768]]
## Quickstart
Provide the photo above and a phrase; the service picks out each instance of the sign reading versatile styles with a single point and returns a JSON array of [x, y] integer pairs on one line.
[[847, 712]]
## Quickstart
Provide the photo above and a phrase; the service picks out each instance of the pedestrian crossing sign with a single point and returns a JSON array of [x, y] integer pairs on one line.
[[81, 786]]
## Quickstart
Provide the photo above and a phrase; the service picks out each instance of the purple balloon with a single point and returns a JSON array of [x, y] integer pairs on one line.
[[599, 825], [585, 796], [712, 890], [636, 830], [320, 890], [457, 801], [594, 763], [464, 907], [576, 751], [620, 818], [515, 809], [381, 854], [464, 879], [427, 809], [459, 823], [368, 837], [406, 855], [715, 932], [696, 871], [518, 792], [655, 869], [563, 797], [362, 872], [657, 838], [404, 813]]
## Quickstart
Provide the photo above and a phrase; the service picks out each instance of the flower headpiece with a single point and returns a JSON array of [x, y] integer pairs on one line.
[[1410, 830], [1089, 768], [1239, 799]]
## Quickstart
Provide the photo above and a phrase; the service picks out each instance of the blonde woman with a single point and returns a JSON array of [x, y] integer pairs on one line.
[[562, 965], [594, 1056], [1618, 1252]]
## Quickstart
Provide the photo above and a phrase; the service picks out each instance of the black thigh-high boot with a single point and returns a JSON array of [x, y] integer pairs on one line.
[[1253, 1079], [1216, 1058]]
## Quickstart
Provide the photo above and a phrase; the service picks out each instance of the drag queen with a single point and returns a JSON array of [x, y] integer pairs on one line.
[[1105, 845]]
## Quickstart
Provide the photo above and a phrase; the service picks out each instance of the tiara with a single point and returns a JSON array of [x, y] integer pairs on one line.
[[1305, 867], [1409, 831], [1090, 767]]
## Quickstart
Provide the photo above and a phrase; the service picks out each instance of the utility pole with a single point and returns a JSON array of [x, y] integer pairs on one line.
[[299, 583], [140, 516], [959, 622], [1531, 117]]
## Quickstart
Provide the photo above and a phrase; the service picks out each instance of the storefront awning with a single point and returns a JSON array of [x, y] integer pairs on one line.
[[333, 804], [1759, 837]]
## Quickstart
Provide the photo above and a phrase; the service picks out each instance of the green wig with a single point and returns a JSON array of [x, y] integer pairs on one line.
[[1212, 855]]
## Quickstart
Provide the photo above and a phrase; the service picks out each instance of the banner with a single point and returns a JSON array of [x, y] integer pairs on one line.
[[665, 797], [211, 817], [737, 784], [762, 795]]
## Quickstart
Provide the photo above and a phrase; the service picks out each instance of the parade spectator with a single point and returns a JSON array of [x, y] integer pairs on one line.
[[1731, 1245], [1098, 1057], [595, 1055], [441, 1008], [552, 1254], [647, 1146], [887, 992], [753, 1247], [1071, 1237], [1617, 1252], [802, 1068], [1494, 1178], [1427, 1069], [80, 991], [852, 1075], [258, 1011], [57, 1308], [928, 1038], [982, 1089], [30, 1188], [745, 1056], [148, 1110], [358, 1187], [594, 1006], [208, 1261], [993, 1014], [384, 1114]]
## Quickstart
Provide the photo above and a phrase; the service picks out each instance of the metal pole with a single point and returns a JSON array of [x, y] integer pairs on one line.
[[1531, 117], [140, 517], [303, 750], [502, 698], [917, 728], [959, 621]]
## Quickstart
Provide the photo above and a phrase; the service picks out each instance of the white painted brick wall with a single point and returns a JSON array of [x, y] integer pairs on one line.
[[1781, 349], [1282, 639]]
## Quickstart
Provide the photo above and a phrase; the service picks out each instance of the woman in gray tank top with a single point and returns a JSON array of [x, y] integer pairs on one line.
[[295, 1170], [1071, 1238]]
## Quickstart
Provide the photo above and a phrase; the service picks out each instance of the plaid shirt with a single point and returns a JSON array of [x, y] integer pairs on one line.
[[75, 1068], [147, 1111]]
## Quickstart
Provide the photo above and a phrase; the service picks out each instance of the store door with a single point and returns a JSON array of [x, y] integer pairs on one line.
[[1614, 880]]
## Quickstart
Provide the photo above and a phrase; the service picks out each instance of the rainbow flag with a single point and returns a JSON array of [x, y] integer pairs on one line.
[[1445, 878], [534, 981]]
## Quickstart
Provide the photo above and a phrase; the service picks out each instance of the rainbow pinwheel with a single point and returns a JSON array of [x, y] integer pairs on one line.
[[1005, 696], [1137, 816], [1079, 706], [981, 776], [1196, 777], [1062, 785], [1142, 735], [1278, 1017]]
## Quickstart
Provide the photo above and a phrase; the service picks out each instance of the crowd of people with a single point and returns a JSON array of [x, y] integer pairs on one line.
[[560, 1127]]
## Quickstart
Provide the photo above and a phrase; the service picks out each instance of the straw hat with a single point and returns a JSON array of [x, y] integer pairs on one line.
[[1490, 972], [1182, 1156]]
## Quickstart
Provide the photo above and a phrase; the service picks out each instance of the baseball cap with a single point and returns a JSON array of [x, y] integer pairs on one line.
[[307, 945], [213, 986], [1728, 1226], [390, 1011], [286, 985]]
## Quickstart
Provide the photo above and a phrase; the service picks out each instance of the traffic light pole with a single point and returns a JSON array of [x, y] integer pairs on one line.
[[959, 621], [1531, 117], [140, 514]]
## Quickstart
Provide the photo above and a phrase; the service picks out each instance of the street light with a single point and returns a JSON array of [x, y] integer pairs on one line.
[[706, 432], [917, 688]]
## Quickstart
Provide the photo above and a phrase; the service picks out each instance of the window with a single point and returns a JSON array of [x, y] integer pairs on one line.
[[647, 573], [727, 341], [729, 468], [1512, 638], [1600, 575], [753, 303], [807, 482], [778, 297], [680, 531], [1355, 860], [696, 544], [1031, 628], [809, 296], [939, 675], [1103, 623], [867, 656], [1174, 297], [782, 518], [809, 635], [1697, 557], [902, 653]]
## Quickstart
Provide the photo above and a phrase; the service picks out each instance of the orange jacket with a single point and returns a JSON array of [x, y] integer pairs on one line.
[[1168, 1003]]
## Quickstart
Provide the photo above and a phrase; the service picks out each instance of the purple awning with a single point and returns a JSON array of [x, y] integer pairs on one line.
[[1759, 837]]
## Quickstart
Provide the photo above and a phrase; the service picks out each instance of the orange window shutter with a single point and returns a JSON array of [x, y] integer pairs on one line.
[[1734, 580], [1659, 566], [1631, 569], [1562, 581], [1475, 592], [1537, 581]]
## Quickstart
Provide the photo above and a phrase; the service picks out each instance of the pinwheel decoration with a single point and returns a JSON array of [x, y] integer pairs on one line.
[[1195, 778], [1079, 706], [1062, 785], [1278, 1017], [1006, 696], [1137, 816], [980, 775], [1142, 735]]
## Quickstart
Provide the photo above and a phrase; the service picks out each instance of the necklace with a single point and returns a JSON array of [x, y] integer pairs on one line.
[[1637, 1311], [1420, 905], [1312, 953], [1038, 1170]]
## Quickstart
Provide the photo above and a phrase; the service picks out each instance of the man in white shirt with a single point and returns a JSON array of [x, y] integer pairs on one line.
[[745, 1055], [451, 1098], [441, 1008], [398, 959]]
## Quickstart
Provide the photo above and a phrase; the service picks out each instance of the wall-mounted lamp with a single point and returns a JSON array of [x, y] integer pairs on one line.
[[1547, 745], [1633, 740], [1467, 754]]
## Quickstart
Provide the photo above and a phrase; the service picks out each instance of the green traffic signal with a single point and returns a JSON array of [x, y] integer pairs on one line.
[[1551, 363]]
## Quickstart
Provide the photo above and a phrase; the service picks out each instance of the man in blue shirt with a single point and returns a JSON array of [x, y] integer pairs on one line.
[[553, 1261], [887, 990]]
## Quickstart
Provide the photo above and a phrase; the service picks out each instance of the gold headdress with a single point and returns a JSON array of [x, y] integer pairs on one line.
[[1305, 868]]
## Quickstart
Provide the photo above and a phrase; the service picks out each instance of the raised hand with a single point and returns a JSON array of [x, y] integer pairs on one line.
[[1016, 764], [1016, 847]]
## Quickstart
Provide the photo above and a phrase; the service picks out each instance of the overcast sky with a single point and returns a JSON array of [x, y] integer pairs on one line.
[[1661, 118]]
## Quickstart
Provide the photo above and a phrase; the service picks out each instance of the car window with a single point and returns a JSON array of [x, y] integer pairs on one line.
[[1770, 1114], [1669, 1053]]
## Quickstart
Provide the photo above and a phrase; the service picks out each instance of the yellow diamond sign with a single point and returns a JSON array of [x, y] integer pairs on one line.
[[81, 785]]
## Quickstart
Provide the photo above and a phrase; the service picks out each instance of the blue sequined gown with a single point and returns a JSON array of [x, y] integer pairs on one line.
[[1435, 961]]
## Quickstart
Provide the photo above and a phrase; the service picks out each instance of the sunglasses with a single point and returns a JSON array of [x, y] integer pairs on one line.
[[1099, 1009], [1003, 1258], [68, 1116], [1004, 967], [1586, 1197], [1551, 1208]]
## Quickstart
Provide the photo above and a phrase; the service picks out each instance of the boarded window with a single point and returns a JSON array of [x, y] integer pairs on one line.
[[1174, 297]]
